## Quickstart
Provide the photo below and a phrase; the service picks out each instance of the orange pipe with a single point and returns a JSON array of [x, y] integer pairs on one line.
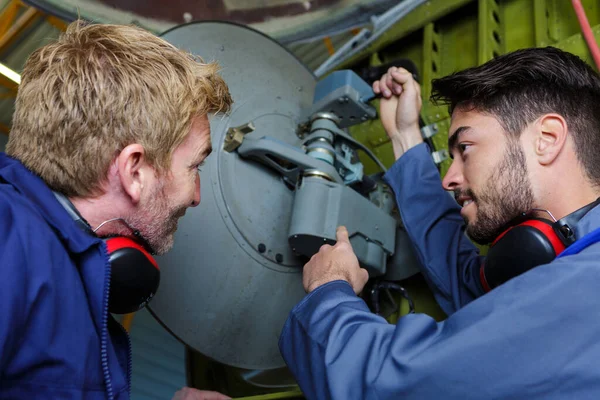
[[329, 45], [586, 30], [126, 321]]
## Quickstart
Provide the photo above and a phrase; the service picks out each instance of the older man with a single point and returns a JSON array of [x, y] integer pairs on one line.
[[109, 131]]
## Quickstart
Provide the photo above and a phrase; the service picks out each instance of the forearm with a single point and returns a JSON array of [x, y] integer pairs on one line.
[[449, 261], [337, 349]]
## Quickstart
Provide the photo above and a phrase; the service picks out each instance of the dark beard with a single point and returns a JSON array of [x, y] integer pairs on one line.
[[506, 196]]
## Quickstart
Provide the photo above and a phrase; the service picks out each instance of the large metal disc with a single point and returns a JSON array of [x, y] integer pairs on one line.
[[231, 279]]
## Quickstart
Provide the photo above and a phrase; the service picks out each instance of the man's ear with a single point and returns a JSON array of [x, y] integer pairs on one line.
[[134, 171], [550, 137]]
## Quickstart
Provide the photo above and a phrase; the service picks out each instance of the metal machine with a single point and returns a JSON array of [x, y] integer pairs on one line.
[[283, 175]]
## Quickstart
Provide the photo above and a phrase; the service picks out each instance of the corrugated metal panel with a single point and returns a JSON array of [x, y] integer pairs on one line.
[[158, 360], [314, 53], [306, 42]]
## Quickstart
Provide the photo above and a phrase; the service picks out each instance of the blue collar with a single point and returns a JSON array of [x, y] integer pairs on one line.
[[36, 192], [587, 240]]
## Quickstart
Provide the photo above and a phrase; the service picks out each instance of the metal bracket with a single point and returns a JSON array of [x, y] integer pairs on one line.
[[235, 136], [429, 130], [440, 156], [380, 24]]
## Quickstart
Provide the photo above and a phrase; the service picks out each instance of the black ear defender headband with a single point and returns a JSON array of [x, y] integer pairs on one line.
[[527, 243], [135, 275]]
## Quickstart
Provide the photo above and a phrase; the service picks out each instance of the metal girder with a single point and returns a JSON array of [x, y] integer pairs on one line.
[[22, 23], [427, 12], [540, 12], [57, 23], [15, 20], [576, 45], [9, 13], [490, 33]]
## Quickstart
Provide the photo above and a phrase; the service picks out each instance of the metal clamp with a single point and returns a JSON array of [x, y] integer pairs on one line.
[[429, 130], [440, 156], [235, 136]]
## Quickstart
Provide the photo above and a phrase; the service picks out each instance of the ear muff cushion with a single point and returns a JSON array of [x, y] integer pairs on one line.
[[518, 250], [117, 243], [135, 275]]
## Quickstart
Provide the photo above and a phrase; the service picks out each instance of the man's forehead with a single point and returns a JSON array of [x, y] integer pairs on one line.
[[200, 131], [472, 118]]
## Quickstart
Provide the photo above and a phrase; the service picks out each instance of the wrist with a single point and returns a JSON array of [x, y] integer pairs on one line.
[[317, 284], [404, 140]]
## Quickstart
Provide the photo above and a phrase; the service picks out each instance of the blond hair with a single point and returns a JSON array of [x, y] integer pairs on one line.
[[100, 88]]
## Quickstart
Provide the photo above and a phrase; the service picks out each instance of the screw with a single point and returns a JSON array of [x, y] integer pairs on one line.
[[279, 258], [262, 248]]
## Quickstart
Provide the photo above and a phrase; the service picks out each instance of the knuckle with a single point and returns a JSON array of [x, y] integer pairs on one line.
[[343, 246], [324, 248]]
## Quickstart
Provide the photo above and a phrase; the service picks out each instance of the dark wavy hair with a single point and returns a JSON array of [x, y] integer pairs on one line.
[[520, 86]]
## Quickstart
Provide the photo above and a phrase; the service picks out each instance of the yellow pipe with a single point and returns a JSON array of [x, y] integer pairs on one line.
[[22, 23], [57, 23], [8, 15], [127, 320], [329, 45]]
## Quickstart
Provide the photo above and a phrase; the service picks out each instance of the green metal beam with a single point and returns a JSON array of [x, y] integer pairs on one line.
[[422, 15]]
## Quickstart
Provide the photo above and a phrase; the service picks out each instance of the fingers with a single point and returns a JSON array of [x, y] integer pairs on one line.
[[400, 75], [188, 393], [383, 86], [393, 82], [389, 81], [417, 87], [342, 234], [324, 248], [376, 87], [363, 277], [397, 88], [214, 396]]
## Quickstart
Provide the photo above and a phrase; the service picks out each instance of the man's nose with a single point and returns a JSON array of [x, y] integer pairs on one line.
[[196, 200], [454, 177]]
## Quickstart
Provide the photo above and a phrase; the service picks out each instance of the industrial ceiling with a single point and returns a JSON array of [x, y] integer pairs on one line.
[[312, 29]]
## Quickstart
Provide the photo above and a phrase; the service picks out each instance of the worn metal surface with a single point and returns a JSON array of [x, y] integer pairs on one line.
[[231, 279]]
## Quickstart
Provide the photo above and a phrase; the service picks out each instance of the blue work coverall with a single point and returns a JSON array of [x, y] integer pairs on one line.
[[57, 339], [535, 337]]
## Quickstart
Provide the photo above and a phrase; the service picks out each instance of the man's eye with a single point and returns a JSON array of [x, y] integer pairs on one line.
[[199, 166], [463, 146]]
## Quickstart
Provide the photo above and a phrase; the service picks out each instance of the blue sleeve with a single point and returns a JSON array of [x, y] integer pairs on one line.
[[450, 262], [515, 342], [13, 284]]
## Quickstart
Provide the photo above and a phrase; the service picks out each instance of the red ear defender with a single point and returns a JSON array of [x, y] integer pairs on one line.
[[135, 275], [519, 249]]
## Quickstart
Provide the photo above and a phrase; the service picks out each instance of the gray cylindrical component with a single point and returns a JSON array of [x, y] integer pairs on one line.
[[404, 263], [231, 279], [321, 149], [315, 215], [321, 206]]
